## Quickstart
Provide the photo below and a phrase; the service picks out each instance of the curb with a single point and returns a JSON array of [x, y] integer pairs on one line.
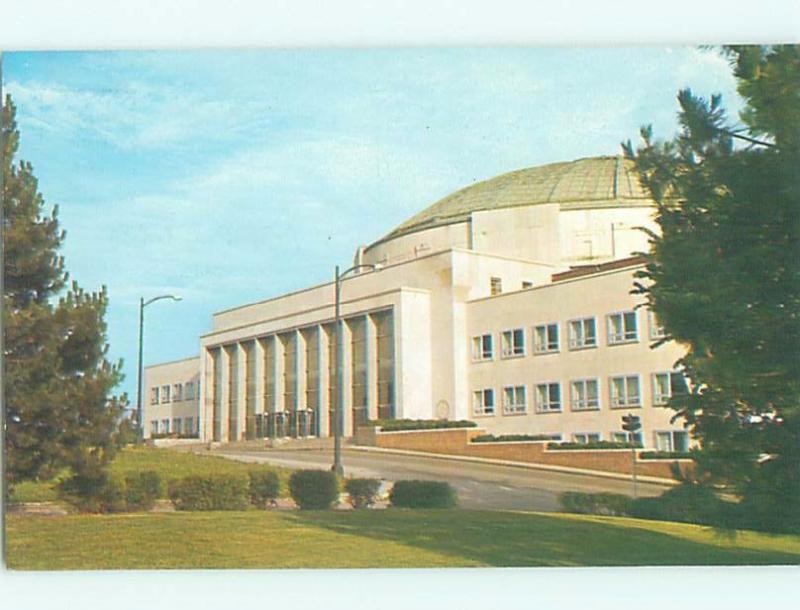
[[528, 465]]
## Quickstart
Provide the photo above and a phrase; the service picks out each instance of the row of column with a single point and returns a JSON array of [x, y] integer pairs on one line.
[[284, 384]]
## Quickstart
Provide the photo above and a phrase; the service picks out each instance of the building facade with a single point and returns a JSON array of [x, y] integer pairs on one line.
[[507, 302]]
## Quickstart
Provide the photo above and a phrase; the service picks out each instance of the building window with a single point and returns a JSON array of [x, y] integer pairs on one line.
[[584, 395], [188, 390], [483, 402], [667, 385], [545, 338], [482, 348], [177, 392], [514, 400], [154, 396], [586, 437], [627, 437], [164, 426], [495, 286], [625, 391], [513, 343], [582, 333], [672, 440], [657, 330], [527, 284], [177, 428], [188, 425], [622, 328], [548, 397], [153, 426], [165, 397]]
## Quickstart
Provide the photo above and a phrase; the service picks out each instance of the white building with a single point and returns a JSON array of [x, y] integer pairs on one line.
[[507, 302]]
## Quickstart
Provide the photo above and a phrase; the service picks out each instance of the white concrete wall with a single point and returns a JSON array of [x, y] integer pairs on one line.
[[587, 235], [170, 373], [596, 295], [419, 243], [530, 232]]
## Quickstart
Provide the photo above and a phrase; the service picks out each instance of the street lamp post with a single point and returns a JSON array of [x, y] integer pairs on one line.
[[338, 426], [142, 305]]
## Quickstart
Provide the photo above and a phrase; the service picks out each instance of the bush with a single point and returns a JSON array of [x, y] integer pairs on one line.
[[687, 503], [595, 445], [616, 505], [265, 486], [314, 489], [209, 492], [395, 425], [665, 455], [142, 489], [363, 492], [423, 494], [504, 438], [96, 493]]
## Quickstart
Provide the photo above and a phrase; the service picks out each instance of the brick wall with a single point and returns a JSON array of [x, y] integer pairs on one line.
[[456, 441]]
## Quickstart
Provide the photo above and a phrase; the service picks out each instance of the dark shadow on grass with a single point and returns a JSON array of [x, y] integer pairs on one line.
[[506, 539]]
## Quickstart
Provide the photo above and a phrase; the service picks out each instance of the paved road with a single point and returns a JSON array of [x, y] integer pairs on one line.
[[480, 486]]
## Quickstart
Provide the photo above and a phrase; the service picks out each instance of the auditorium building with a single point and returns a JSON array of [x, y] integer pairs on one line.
[[507, 302]]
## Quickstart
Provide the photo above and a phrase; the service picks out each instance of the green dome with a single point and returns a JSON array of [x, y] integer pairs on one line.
[[584, 183]]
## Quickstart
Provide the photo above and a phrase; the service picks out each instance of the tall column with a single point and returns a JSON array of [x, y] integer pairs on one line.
[[205, 398], [224, 391], [347, 379], [324, 363], [300, 368], [372, 368], [241, 390], [279, 355], [258, 354]]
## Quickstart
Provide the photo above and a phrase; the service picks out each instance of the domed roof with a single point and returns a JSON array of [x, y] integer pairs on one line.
[[584, 183]]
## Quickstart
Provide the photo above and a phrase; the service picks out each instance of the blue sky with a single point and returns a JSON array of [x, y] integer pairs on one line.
[[229, 177]]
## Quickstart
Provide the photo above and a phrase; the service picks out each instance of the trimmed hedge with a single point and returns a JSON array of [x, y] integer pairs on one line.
[[314, 489], [265, 487], [209, 492], [597, 445], [142, 489], [363, 493], [423, 494], [687, 503], [504, 438], [665, 455], [395, 425], [616, 505]]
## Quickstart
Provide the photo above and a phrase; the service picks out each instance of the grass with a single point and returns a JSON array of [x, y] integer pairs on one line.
[[364, 539], [168, 463]]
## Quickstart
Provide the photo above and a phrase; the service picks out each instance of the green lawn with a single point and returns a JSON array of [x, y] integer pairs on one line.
[[168, 463], [388, 538]]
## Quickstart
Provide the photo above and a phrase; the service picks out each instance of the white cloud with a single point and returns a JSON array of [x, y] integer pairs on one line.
[[137, 115]]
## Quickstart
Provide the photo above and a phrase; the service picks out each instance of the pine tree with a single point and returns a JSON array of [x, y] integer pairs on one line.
[[56, 377], [723, 276]]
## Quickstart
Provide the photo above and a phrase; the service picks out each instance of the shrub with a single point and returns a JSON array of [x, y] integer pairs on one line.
[[314, 489], [687, 503], [595, 445], [423, 494], [395, 425], [142, 489], [665, 455], [265, 486], [504, 438], [616, 505], [96, 493], [363, 492], [209, 492]]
